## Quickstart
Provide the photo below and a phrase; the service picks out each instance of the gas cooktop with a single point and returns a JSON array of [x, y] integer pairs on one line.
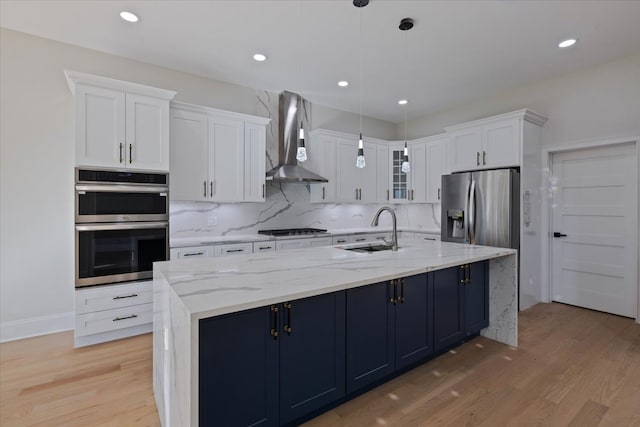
[[292, 231]]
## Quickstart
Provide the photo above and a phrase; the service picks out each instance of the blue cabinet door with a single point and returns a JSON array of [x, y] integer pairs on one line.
[[370, 335], [414, 320], [476, 295], [238, 363], [448, 307], [312, 354]]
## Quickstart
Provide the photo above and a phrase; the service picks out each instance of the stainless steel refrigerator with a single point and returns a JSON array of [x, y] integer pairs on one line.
[[482, 208]]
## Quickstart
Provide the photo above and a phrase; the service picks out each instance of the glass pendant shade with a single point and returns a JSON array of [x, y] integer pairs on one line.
[[360, 162], [406, 166], [301, 155]]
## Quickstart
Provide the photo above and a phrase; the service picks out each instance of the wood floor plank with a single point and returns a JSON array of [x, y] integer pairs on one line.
[[572, 367]]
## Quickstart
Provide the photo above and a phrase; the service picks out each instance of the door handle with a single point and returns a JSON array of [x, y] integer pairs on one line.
[[393, 299], [472, 213], [557, 234], [401, 298]]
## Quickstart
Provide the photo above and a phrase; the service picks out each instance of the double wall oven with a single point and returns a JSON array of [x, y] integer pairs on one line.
[[121, 225]]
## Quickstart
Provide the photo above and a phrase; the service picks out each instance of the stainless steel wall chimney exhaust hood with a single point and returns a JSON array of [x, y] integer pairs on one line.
[[288, 170]]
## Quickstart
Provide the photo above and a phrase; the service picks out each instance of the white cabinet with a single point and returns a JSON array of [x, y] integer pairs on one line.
[[233, 249], [192, 252], [355, 185], [383, 190], [217, 156], [255, 150], [495, 142], [189, 163], [282, 245], [399, 181], [321, 151], [120, 124], [339, 240], [105, 313], [259, 247], [418, 172], [317, 242], [436, 167], [226, 159]]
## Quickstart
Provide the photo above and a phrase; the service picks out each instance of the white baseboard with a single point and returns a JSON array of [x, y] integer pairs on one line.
[[34, 326]]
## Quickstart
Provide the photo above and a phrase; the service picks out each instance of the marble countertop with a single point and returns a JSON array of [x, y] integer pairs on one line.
[[178, 242], [214, 286]]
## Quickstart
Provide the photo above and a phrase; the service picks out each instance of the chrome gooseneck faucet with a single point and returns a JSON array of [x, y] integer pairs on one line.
[[394, 235]]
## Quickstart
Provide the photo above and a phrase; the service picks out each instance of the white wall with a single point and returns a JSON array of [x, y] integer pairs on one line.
[[37, 159], [598, 102]]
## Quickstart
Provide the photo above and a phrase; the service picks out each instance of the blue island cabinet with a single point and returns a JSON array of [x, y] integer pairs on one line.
[[461, 303], [389, 327], [271, 365]]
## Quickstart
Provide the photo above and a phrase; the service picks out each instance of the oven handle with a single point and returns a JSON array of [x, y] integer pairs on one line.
[[122, 226], [122, 188]]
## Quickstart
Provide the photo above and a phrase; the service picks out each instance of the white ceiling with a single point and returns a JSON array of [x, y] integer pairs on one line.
[[458, 51]]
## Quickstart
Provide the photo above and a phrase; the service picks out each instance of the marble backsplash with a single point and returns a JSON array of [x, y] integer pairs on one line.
[[287, 206]]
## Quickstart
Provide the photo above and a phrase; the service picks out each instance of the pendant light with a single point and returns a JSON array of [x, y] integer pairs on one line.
[[301, 155], [360, 161], [405, 25]]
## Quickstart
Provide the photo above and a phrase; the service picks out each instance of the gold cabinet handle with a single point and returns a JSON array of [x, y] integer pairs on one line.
[[287, 326], [401, 297], [274, 322], [394, 298]]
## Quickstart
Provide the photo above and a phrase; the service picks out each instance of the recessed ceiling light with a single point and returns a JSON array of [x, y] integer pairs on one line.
[[567, 43], [403, 102], [343, 83], [129, 16], [259, 57]]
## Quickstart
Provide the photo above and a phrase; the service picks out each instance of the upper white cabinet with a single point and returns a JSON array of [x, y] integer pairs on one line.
[[382, 171], [418, 172], [436, 166], [355, 185], [120, 124], [321, 151], [495, 142], [399, 181], [216, 155]]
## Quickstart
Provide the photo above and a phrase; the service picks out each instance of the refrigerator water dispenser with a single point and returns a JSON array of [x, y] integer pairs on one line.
[[455, 223]]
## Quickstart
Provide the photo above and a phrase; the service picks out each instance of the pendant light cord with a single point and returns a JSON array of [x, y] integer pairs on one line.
[[360, 65], [406, 66]]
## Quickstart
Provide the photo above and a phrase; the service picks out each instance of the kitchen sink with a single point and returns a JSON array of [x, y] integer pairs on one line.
[[369, 248]]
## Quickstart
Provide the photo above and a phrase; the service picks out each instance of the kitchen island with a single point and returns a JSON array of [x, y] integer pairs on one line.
[[189, 294]]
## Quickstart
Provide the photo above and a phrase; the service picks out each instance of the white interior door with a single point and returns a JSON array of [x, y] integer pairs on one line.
[[595, 226]]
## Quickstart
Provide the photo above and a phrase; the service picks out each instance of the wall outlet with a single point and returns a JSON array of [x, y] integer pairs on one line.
[[212, 221]]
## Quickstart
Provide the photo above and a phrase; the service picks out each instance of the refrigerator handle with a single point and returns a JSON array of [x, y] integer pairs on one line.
[[472, 212]]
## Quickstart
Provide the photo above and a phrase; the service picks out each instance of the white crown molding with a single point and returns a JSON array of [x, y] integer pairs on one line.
[[75, 77], [183, 106], [35, 326], [525, 114]]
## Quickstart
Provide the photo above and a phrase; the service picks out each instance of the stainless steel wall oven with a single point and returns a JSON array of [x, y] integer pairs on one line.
[[122, 225]]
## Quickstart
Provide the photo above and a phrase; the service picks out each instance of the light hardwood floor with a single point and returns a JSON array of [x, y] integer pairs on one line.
[[574, 367]]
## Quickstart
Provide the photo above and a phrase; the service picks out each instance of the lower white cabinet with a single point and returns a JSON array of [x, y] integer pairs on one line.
[[105, 313], [317, 242], [192, 252], [233, 249], [259, 247], [282, 245]]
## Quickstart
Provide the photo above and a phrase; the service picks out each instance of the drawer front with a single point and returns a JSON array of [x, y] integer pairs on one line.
[[383, 235], [113, 296], [320, 241], [192, 252], [259, 247], [111, 320], [340, 240], [282, 245], [233, 249]]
